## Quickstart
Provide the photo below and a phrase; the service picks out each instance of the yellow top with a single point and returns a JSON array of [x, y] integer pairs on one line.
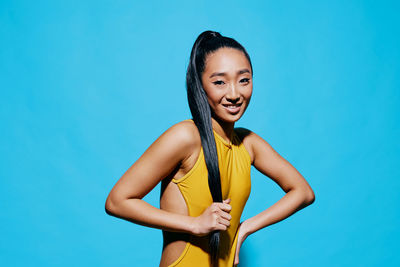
[[234, 166]]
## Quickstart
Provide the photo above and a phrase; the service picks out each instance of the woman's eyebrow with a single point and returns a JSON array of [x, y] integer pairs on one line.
[[223, 73]]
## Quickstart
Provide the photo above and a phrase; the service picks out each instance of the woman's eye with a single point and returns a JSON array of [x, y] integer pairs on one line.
[[246, 80], [218, 82]]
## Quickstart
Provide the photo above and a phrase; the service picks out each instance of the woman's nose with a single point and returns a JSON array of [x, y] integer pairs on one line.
[[233, 99], [233, 94]]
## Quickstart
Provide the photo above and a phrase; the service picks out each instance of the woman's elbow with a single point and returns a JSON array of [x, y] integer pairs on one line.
[[110, 206], [310, 196]]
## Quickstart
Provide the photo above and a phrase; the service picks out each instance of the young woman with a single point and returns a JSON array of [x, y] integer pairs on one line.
[[204, 163]]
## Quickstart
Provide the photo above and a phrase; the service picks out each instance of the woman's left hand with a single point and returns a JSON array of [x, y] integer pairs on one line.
[[242, 235]]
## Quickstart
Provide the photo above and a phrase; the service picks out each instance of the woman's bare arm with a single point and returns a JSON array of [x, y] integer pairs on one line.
[[156, 163], [159, 160], [298, 192]]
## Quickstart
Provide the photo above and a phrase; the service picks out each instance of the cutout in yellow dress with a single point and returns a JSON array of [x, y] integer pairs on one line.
[[234, 165]]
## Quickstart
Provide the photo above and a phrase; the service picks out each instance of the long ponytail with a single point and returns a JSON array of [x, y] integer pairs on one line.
[[206, 43]]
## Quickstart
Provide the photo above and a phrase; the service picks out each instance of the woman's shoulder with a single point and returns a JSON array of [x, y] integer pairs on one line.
[[249, 139], [178, 142], [185, 132], [242, 132], [245, 134], [252, 141]]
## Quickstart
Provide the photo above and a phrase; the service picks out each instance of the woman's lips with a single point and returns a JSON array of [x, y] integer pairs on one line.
[[232, 108]]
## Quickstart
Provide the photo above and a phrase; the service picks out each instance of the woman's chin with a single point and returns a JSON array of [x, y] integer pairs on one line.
[[230, 118]]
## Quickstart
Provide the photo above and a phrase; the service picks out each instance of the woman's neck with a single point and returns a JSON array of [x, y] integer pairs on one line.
[[223, 128]]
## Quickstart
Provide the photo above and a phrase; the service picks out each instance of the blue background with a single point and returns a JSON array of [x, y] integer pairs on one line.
[[87, 86]]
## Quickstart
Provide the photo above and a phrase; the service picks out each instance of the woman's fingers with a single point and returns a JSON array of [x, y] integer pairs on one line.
[[215, 217], [225, 206], [224, 222], [225, 215], [221, 227]]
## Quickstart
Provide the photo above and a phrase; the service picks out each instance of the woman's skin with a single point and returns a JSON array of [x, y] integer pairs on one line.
[[227, 80]]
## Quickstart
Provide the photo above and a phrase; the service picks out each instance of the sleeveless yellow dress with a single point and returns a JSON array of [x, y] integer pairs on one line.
[[234, 165]]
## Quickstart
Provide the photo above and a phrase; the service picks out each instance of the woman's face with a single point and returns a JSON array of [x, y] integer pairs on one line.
[[227, 81]]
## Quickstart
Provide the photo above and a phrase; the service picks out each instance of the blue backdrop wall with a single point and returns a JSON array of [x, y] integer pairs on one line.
[[87, 86]]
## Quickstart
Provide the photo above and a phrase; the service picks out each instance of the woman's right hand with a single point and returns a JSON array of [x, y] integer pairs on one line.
[[215, 217]]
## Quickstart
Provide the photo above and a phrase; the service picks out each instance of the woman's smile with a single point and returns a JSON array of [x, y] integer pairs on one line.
[[232, 108]]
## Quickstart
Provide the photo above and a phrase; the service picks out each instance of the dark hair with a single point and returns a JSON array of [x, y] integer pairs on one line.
[[206, 43]]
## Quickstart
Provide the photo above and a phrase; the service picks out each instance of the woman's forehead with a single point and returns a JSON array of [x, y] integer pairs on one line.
[[226, 60]]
